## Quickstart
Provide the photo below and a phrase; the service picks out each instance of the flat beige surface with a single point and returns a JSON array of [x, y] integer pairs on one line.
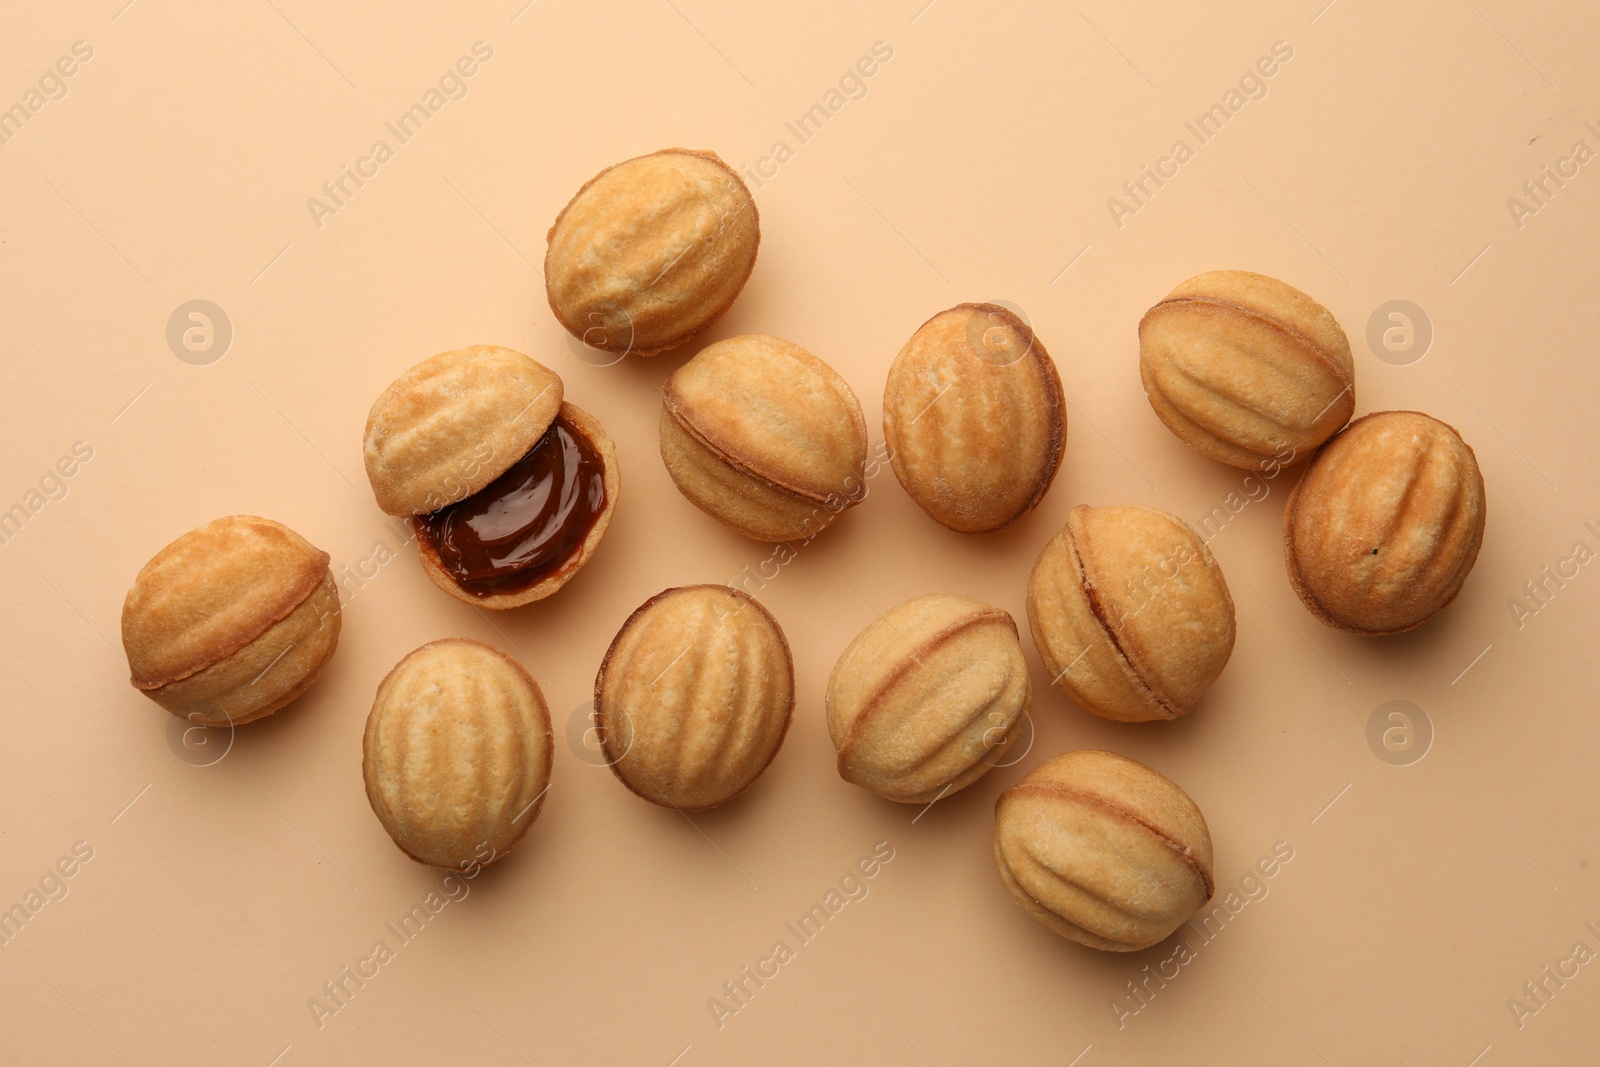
[[219, 899]]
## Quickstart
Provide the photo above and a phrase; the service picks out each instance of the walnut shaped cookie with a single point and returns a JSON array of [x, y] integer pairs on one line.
[[457, 753], [651, 251], [231, 622]]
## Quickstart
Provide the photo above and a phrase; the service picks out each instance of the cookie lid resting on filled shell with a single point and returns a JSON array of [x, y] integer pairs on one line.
[[455, 422]]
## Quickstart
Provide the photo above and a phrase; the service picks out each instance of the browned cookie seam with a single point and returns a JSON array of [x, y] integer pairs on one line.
[[874, 700], [1240, 309], [1106, 628], [674, 407], [1072, 795]]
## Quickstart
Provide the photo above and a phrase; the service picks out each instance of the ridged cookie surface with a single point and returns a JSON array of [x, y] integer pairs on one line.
[[1130, 613], [928, 698], [1103, 850], [231, 621], [1385, 524], [1246, 369], [974, 417], [453, 423], [694, 696], [764, 436], [651, 251], [457, 753]]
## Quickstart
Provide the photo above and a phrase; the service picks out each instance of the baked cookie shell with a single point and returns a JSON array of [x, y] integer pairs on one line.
[[1130, 613], [1246, 369], [1383, 528], [266, 675], [764, 437], [773, 409], [651, 251], [925, 700], [694, 697], [1103, 850], [213, 591], [592, 431], [457, 753], [453, 423], [740, 499], [975, 436]]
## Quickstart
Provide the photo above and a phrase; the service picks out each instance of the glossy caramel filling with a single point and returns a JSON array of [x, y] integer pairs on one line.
[[528, 523]]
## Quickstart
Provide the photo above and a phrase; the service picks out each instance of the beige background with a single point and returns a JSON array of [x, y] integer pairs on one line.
[[978, 166]]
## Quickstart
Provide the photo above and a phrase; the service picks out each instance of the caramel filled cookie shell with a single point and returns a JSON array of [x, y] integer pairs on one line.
[[555, 577], [449, 430]]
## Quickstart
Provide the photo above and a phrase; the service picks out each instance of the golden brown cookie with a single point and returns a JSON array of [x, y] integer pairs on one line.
[[231, 621], [975, 418], [1130, 613], [694, 696], [764, 437], [928, 698], [1103, 850], [1246, 369], [651, 251], [1386, 523], [457, 753], [509, 487], [450, 425]]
